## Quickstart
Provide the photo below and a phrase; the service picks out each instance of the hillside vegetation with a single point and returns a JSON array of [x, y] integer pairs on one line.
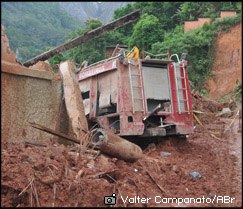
[[198, 45], [159, 28], [33, 26]]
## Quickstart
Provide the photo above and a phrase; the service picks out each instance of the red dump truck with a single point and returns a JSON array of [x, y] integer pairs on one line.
[[143, 97]]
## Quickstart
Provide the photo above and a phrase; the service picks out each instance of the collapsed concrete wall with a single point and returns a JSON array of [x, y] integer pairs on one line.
[[31, 96], [28, 95]]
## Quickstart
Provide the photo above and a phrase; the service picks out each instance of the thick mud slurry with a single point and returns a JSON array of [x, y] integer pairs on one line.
[[58, 176]]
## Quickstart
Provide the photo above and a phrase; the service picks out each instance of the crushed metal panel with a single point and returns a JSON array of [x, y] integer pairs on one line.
[[107, 87], [104, 88], [114, 89], [86, 106], [84, 85], [156, 84]]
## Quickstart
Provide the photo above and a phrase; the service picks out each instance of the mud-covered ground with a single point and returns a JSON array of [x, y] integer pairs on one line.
[[58, 176]]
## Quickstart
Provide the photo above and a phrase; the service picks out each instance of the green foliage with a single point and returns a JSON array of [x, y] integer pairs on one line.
[[159, 28], [238, 91], [165, 12], [198, 44], [194, 10], [126, 31], [229, 5], [93, 50], [33, 26], [57, 59], [92, 24], [146, 32]]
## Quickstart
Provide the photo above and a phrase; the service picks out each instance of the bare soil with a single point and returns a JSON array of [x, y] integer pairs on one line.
[[227, 65], [58, 176]]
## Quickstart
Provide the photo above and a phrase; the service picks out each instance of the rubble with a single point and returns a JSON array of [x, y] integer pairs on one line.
[[226, 112], [57, 175], [165, 154], [195, 175], [84, 180], [42, 66]]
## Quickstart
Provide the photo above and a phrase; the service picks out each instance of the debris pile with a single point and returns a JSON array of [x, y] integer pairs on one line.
[[42, 66], [203, 104], [59, 176], [56, 175]]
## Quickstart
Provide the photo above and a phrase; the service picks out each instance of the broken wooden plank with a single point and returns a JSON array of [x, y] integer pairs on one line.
[[232, 121], [152, 178], [85, 37], [73, 100], [34, 144], [55, 133], [197, 119]]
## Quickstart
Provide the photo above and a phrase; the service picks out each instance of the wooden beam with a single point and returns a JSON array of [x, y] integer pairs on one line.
[[85, 37]]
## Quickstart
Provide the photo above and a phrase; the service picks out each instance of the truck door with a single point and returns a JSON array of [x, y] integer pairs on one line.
[[156, 85]]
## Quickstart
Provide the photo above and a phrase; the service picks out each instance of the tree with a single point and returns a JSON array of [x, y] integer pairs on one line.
[[146, 32], [93, 50], [189, 11], [164, 11], [125, 31], [198, 44]]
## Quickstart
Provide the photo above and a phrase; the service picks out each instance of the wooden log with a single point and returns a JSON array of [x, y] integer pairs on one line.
[[85, 37], [73, 100]]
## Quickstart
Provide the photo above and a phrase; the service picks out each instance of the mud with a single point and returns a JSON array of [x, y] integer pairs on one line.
[[58, 176]]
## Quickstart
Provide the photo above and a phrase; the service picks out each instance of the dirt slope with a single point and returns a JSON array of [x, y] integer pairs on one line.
[[227, 66]]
